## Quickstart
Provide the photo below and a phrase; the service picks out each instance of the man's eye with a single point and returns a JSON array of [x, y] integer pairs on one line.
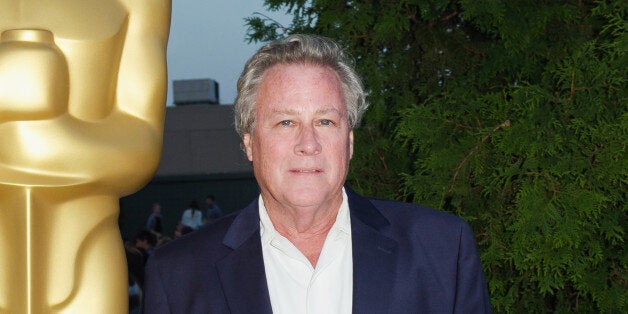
[[285, 123], [327, 122]]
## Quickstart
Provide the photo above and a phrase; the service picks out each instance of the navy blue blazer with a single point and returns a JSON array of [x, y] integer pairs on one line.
[[406, 259]]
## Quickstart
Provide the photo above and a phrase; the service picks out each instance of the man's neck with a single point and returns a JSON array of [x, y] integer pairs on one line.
[[297, 220], [306, 228]]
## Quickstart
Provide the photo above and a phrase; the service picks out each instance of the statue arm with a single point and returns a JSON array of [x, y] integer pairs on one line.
[[143, 61]]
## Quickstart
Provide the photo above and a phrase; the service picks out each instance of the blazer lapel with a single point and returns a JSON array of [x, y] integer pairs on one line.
[[374, 257], [242, 272], [374, 261]]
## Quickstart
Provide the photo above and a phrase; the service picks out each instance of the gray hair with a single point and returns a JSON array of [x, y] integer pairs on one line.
[[298, 49]]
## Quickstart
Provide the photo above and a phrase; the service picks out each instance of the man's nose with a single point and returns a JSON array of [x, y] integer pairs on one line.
[[307, 142]]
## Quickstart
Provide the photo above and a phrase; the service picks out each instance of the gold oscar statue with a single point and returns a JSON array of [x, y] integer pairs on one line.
[[82, 102]]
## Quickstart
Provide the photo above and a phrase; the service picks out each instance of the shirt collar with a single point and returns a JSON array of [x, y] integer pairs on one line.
[[342, 223]]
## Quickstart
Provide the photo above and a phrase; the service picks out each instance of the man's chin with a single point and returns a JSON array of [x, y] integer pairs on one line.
[[311, 199]]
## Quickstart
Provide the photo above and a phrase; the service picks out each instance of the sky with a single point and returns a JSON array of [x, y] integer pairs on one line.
[[207, 40]]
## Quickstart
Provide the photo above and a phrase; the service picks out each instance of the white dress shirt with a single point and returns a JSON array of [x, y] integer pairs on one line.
[[293, 284]]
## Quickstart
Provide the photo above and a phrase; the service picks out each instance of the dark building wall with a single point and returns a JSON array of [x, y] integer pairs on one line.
[[201, 140], [201, 155]]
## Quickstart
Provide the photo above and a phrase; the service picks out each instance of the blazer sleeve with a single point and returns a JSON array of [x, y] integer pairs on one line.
[[471, 289]]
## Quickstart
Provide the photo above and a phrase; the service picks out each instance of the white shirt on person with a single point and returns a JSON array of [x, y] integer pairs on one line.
[[297, 287], [193, 221]]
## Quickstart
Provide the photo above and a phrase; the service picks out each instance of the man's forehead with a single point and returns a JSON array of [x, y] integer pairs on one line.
[[297, 110]]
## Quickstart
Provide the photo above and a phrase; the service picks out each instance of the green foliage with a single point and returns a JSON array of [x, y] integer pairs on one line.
[[510, 114]]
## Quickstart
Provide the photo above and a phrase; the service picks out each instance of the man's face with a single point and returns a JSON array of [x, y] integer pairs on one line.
[[142, 244], [302, 144]]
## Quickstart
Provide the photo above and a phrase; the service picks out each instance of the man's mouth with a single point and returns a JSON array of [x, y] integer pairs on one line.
[[306, 170]]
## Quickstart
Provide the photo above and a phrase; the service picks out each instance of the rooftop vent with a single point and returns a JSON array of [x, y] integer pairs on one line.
[[195, 92]]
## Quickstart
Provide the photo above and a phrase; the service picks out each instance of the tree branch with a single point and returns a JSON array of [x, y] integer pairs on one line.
[[504, 124]]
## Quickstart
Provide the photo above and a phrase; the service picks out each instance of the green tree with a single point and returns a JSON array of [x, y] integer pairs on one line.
[[510, 114]]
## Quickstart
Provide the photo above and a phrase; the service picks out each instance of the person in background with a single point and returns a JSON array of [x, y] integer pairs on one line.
[[153, 223], [308, 243], [145, 241], [212, 212], [135, 268], [181, 230], [192, 216]]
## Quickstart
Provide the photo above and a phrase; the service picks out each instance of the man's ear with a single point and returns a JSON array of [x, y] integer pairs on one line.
[[350, 144], [247, 140]]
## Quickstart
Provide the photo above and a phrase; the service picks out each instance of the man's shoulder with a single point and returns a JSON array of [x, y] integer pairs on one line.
[[422, 230], [422, 219], [396, 208]]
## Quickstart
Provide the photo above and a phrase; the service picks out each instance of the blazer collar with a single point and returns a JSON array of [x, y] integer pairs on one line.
[[247, 222], [242, 272], [363, 210], [245, 225], [374, 257], [374, 260]]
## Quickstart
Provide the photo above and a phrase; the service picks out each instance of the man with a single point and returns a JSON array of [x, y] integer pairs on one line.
[[308, 244], [153, 223], [213, 212], [145, 241]]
